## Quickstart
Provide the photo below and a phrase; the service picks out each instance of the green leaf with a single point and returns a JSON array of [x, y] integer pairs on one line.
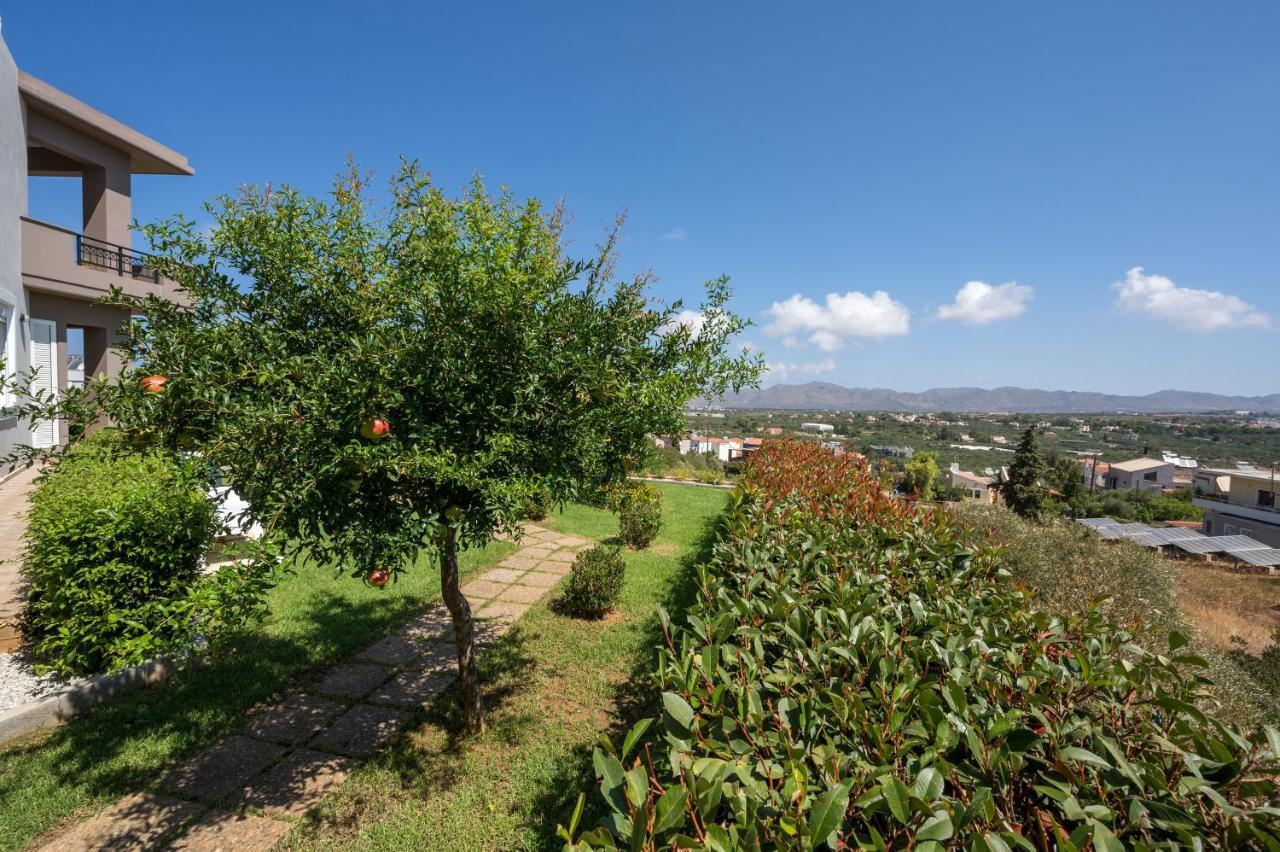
[[995, 843], [1104, 840], [637, 786], [928, 784], [896, 795], [1084, 756], [633, 736], [827, 814], [936, 827], [678, 709], [670, 810]]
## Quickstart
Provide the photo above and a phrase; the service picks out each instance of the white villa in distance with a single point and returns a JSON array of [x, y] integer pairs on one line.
[[817, 427]]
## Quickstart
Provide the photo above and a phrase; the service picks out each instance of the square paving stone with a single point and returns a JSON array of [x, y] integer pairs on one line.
[[443, 655], [223, 768], [135, 822], [560, 556], [414, 687], [538, 549], [501, 575], [362, 730], [393, 650], [482, 589], [296, 784], [558, 569], [352, 680], [504, 611], [530, 529], [540, 579], [294, 720], [219, 831], [521, 594], [519, 563], [433, 624]]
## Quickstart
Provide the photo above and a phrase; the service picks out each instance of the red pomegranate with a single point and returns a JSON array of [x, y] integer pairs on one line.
[[378, 577], [154, 384], [375, 429]]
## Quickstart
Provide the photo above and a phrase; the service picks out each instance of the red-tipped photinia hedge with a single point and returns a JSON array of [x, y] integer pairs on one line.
[[857, 675]]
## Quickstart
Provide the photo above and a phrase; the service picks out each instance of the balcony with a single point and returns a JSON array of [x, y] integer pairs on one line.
[[114, 258], [64, 263], [1265, 514]]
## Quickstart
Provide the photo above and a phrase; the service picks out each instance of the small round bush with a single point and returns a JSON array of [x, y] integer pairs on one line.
[[594, 583], [113, 548], [639, 509]]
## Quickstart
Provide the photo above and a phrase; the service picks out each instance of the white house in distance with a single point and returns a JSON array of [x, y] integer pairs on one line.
[[976, 487], [817, 427], [1140, 473]]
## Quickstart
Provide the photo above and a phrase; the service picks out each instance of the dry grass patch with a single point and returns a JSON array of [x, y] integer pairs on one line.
[[1224, 604]]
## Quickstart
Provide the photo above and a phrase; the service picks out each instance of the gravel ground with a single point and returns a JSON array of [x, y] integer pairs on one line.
[[19, 684]]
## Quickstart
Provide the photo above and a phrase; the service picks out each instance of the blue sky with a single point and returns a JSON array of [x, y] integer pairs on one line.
[[1115, 166]]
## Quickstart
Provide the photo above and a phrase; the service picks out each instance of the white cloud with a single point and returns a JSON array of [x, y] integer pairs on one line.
[[782, 370], [692, 320], [852, 314], [1184, 307], [674, 235], [978, 303]]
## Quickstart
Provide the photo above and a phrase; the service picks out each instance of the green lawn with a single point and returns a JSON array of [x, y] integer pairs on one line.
[[553, 685], [315, 619]]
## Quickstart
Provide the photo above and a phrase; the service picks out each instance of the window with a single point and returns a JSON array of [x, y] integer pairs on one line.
[[1266, 498], [8, 352], [1228, 529], [1149, 476]]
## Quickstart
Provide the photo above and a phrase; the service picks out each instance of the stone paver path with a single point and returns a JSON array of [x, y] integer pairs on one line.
[[13, 524], [243, 792]]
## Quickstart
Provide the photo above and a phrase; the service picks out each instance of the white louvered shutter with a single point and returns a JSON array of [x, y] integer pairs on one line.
[[44, 348]]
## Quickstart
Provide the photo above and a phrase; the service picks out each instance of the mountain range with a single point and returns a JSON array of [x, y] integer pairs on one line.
[[817, 396]]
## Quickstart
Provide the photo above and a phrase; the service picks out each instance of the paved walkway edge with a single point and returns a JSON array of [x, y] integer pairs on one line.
[[80, 695]]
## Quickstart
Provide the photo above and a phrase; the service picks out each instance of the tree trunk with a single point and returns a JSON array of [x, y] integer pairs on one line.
[[464, 631]]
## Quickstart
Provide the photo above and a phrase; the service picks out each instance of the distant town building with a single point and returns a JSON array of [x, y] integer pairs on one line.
[[894, 452], [817, 427], [1139, 473]]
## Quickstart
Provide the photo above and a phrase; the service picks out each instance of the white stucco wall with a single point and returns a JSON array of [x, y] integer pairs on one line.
[[13, 203]]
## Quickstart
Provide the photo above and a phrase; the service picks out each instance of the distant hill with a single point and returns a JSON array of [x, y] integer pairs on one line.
[[817, 396]]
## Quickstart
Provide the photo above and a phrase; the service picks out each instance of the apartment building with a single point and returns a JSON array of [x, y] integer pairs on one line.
[[52, 273], [1240, 501]]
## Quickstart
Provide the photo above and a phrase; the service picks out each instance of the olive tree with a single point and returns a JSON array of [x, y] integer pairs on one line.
[[377, 378]]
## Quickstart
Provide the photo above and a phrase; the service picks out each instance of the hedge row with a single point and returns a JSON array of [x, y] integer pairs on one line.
[[856, 674]]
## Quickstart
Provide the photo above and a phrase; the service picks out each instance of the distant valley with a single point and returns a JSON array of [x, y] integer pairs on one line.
[[818, 396]]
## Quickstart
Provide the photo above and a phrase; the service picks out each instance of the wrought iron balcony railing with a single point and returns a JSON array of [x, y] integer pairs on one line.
[[118, 259]]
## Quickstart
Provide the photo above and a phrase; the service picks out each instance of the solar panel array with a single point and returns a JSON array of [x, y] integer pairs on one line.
[[1267, 557], [1162, 536], [1187, 540], [1239, 543]]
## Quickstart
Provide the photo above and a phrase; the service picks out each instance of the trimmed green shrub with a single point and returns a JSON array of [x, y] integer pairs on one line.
[[112, 558], [594, 583], [639, 509], [857, 674]]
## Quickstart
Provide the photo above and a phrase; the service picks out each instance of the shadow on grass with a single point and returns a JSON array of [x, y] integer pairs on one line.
[[125, 745], [634, 699]]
